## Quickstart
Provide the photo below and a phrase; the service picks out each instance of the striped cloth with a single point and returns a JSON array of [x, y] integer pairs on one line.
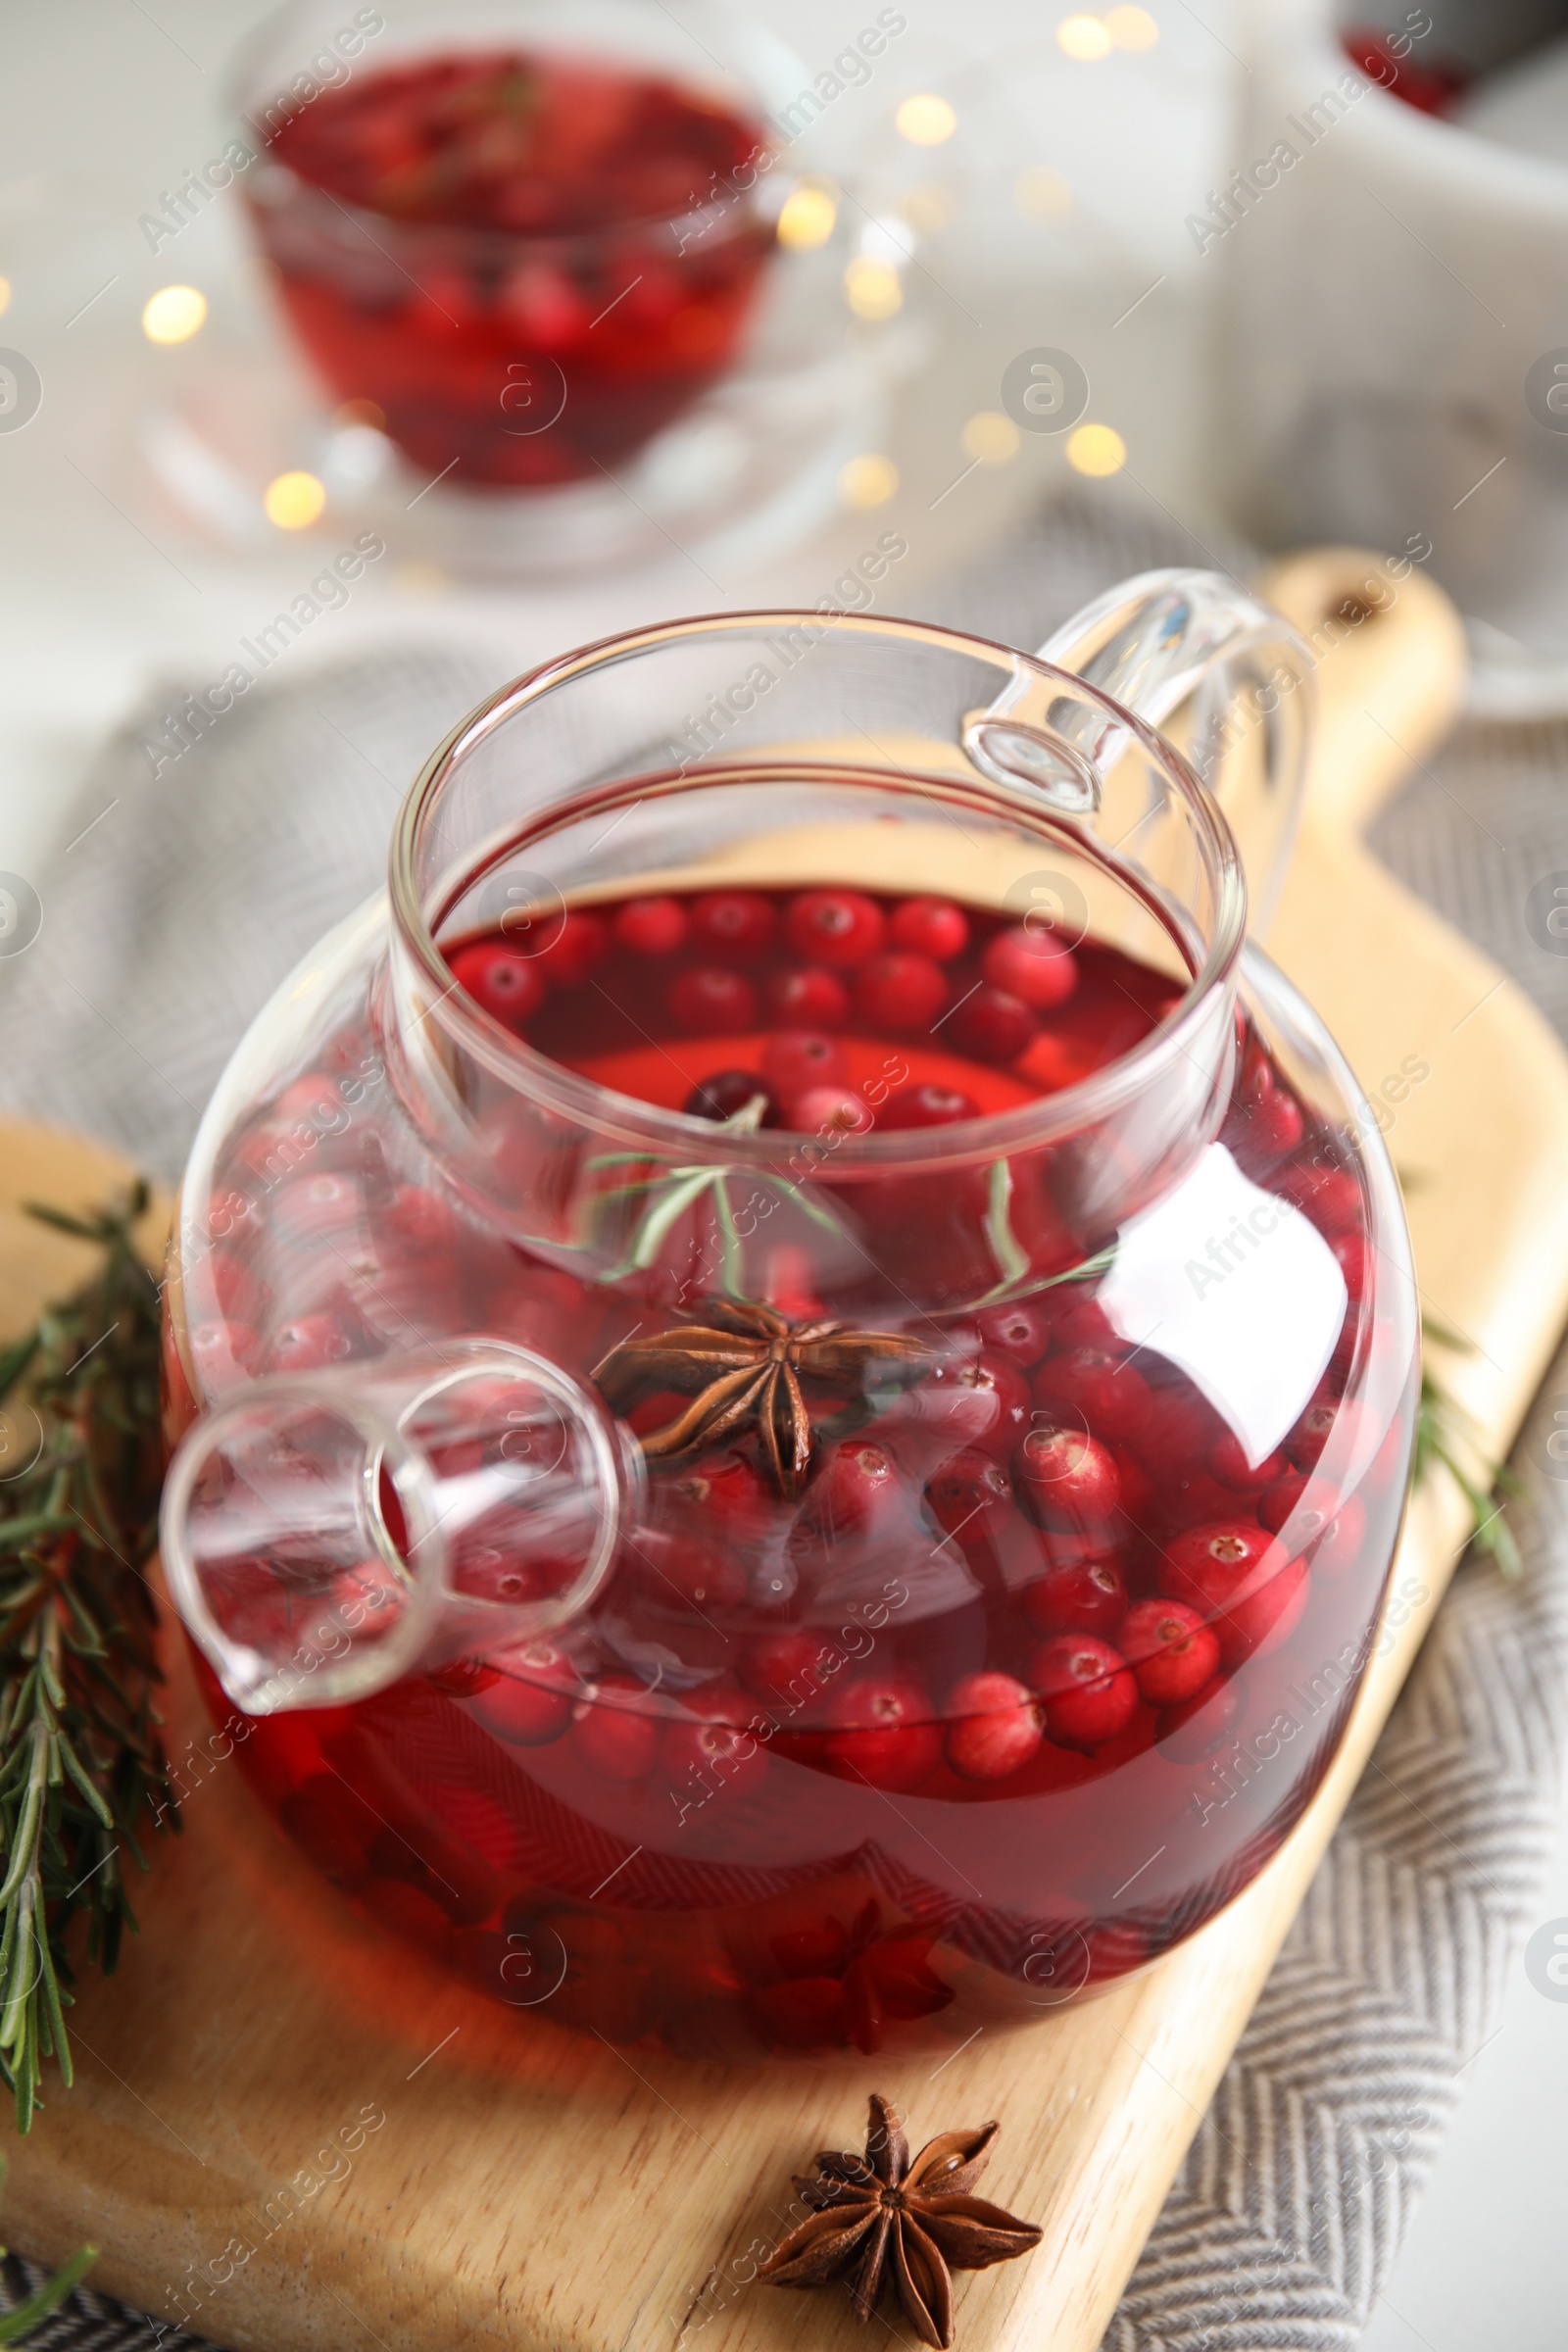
[[168, 926]]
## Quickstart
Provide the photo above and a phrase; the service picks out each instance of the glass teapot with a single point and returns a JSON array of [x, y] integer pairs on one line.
[[792, 1377]]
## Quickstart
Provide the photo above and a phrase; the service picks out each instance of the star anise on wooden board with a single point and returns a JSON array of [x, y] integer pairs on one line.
[[879, 2212], [743, 1366]]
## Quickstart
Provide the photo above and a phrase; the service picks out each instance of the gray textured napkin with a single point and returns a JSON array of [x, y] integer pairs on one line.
[[168, 925]]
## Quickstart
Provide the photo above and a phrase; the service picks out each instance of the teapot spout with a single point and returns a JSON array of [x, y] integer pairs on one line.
[[326, 1535]]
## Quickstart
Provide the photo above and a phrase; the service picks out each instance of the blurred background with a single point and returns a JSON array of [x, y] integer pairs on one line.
[[1183, 260]]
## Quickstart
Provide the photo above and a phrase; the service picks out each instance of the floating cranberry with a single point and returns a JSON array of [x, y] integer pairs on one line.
[[1229, 1463], [796, 1060], [574, 949], [1066, 1479], [1172, 1653], [727, 1491], [1238, 1577], [1032, 965], [727, 1092], [927, 1106], [650, 926], [970, 1495], [1078, 1321], [1021, 1332], [991, 1404], [1108, 1393], [932, 927], [711, 1002], [838, 927], [852, 1491], [1137, 1487], [529, 1703], [900, 992], [1272, 1117], [614, 1735], [734, 922], [424, 1223], [1331, 1196], [310, 1342], [785, 1668], [708, 1760], [831, 1110], [992, 1026], [1076, 1596], [1278, 1500], [1312, 1432], [505, 981], [807, 998], [883, 1734], [1085, 1687], [688, 1566], [993, 1727]]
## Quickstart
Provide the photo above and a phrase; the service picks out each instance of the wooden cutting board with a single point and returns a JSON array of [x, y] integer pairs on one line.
[[277, 2137]]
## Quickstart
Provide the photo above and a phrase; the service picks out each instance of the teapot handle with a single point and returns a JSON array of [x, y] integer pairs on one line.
[[1228, 680], [325, 1534]]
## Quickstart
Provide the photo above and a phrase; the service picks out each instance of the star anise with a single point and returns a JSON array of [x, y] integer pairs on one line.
[[868, 2207], [745, 1365]]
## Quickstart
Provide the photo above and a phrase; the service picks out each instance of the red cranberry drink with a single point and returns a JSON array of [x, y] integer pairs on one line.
[[529, 262], [1008, 1408]]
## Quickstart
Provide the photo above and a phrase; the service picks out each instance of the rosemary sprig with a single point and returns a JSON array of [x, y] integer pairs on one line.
[[81, 1760], [1444, 1436]]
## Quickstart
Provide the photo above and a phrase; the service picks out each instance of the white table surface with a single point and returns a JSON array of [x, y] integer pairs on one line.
[[104, 103]]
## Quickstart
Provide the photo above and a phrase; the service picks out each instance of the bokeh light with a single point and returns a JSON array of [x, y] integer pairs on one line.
[[173, 315], [926, 120], [1084, 37], [1131, 28], [1096, 449], [293, 500], [871, 287], [868, 480], [807, 217], [1042, 194], [5, 295], [989, 437]]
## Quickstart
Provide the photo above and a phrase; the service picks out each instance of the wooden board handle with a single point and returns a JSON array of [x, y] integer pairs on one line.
[[1390, 673]]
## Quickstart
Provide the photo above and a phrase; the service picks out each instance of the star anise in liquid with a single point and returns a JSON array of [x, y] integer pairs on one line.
[[745, 1366], [879, 2212]]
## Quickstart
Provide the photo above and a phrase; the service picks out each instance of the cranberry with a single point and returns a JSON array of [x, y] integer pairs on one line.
[[734, 922], [1021, 1332], [1330, 1197], [1277, 1502], [709, 1000], [727, 1092], [992, 1728], [614, 1738], [883, 1734], [902, 993], [990, 1400], [852, 1490], [650, 926], [992, 1026], [1195, 1727], [1339, 1547], [971, 1495], [529, 1703], [1178, 1433], [1172, 1653], [1230, 1465], [1085, 1689], [807, 998], [727, 1490], [1031, 965], [688, 1567], [317, 1208], [1136, 1488], [424, 1223], [796, 1060], [1066, 1479], [1273, 1119], [1240, 1578], [705, 1760], [927, 1106], [309, 1342], [1312, 1432], [1105, 1389], [578, 948], [505, 981], [1077, 1321], [784, 1667], [1076, 1596], [932, 927], [831, 1110], [840, 927]]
